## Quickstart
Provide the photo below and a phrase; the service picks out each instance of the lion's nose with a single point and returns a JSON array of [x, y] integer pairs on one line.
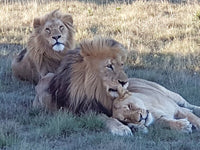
[[141, 117], [122, 82], [56, 37], [147, 115]]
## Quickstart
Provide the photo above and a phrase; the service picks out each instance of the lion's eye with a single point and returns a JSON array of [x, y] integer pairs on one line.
[[109, 66], [48, 30], [130, 106], [61, 28]]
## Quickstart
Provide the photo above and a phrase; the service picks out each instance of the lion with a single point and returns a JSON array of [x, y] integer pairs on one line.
[[88, 79], [52, 37], [141, 109]]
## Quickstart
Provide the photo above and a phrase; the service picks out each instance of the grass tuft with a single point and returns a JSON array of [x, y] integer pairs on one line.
[[65, 124], [8, 134], [91, 122]]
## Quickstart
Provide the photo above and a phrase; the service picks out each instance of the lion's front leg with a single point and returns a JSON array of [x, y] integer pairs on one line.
[[182, 125], [43, 99], [115, 127]]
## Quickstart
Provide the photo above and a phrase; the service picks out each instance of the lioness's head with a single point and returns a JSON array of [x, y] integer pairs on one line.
[[105, 58], [54, 31], [126, 111]]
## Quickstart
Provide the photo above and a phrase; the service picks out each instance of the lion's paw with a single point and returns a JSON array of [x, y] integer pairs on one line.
[[117, 128], [121, 130], [184, 125]]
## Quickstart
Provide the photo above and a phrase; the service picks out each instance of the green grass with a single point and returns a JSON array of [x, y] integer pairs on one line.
[[163, 40], [66, 124], [8, 133]]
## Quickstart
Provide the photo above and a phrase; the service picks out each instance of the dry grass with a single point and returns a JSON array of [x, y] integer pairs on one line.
[[145, 27]]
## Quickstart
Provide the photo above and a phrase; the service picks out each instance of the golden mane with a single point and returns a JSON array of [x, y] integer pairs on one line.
[[76, 85], [37, 46], [101, 47]]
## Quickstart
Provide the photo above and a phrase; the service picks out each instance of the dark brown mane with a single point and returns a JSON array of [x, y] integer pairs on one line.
[[59, 85]]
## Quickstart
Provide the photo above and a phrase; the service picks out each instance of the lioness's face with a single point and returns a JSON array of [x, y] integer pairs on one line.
[[55, 33], [113, 76], [135, 117]]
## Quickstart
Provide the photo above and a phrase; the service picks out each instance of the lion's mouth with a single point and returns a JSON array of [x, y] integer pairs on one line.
[[58, 46], [58, 43], [113, 92]]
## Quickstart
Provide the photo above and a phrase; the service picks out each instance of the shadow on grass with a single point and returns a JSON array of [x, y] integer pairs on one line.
[[7, 50], [164, 61]]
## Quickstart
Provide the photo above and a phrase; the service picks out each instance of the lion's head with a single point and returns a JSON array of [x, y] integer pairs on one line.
[[89, 76], [129, 113], [52, 32]]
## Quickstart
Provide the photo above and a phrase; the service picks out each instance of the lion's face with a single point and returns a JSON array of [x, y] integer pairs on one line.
[[105, 61], [113, 76], [111, 73], [55, 33], [54, 30]]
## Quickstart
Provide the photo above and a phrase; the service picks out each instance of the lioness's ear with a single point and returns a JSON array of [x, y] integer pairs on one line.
[[67, 19], [36, 22]]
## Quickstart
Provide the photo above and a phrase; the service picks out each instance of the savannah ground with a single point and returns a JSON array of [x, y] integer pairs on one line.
[[163, 39]]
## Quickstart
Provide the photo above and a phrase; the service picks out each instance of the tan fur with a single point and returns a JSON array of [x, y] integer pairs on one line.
[[153, 106], [41, 55], [143, 86]]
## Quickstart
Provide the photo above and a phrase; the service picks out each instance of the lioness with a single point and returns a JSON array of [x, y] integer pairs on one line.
[[52, 37], [140, 109]]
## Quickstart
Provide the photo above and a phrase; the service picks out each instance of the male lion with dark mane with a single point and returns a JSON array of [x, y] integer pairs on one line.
[[141, 109], [52, 37], [88, 79]]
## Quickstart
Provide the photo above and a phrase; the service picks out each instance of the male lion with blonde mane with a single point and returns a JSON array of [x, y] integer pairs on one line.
[[88, 79], [141, 109], [52, 37]]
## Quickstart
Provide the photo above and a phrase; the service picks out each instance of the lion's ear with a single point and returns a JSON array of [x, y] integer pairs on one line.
[[67, 19], [36, 22], [85, 48]]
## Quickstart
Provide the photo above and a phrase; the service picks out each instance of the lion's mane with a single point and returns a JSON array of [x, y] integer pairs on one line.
[[77, 86]]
